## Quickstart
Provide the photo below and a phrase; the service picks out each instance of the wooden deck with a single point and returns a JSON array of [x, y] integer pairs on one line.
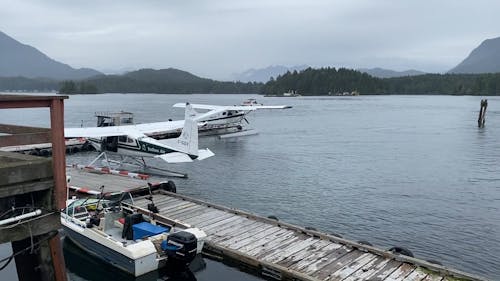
[[287, 252], [94, 180], [275, 249]]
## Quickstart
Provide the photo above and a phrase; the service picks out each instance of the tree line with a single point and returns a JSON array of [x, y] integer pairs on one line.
[[322, 81], [331, 81]]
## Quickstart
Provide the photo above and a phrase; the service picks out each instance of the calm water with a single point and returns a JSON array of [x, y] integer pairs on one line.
[[411, 171]]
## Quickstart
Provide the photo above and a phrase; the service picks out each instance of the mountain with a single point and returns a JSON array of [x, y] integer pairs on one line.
[[264, 74], [17, 59], [163, 81], [169, 75], [387, 73], [483, 59]]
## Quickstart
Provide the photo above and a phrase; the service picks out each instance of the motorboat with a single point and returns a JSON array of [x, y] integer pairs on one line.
[[132, 242]]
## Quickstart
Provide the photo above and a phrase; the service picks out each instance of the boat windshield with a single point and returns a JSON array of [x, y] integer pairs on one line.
[[85, 205]]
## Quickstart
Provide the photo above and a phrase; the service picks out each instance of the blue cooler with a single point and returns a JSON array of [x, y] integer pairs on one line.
[[145, 229]]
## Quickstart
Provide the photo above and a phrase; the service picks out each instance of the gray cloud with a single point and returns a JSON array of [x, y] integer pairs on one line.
[[217, 38]]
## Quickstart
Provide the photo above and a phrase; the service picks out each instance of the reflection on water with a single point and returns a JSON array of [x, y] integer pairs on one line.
[[82, 266]]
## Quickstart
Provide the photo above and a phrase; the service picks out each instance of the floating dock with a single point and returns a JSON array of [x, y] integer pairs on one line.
[[45, 149], [284, 251]]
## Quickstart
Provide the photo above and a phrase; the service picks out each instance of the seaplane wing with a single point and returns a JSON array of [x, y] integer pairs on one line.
[[233, 107], [159, 127], [217, 107], [98, 132]]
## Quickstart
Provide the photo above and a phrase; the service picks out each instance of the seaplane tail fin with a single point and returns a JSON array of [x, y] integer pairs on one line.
[[187, 142], [175, 157]]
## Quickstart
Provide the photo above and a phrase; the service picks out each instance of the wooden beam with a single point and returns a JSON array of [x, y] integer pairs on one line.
[[17, 129], [17, 168], [23, 139], [57, 258], [58, 152], [39, 226], [24, 104], [23, 188]]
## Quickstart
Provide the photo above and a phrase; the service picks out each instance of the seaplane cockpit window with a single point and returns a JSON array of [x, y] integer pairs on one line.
[[224, 113], [129, 140], [122, 138]]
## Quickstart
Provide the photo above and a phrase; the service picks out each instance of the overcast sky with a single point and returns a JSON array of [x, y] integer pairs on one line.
[[217, 38]]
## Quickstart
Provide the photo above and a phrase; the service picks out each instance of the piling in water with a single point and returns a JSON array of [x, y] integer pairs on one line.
[[482, 113]]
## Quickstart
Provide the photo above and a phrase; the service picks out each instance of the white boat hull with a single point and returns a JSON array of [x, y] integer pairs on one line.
[[136, 259]]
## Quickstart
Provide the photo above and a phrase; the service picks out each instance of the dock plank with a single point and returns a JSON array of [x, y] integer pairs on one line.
[[254, 238], [230, 222], [229, 233], [242, 236], [369, 270], [401, 272], [212, 214], [289, 251], [387, 270], [314, 263], [172, 207], [432, 277], [208, 224], [195, 214], [276, 245], [185, 210], [259, 243], [336, 264], [181, 208], [352, 267], [198, 210], [322, 246], [236, 226], [416, 275]]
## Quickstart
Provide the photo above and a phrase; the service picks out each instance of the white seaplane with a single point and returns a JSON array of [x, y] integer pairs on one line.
[[134, 141], [224, 121]]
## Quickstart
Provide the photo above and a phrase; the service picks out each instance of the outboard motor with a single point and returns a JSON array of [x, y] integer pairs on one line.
[[180, 247]]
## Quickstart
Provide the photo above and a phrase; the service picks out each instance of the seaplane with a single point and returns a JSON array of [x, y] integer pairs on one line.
[[134, 141], [215, 120], [226, 121]]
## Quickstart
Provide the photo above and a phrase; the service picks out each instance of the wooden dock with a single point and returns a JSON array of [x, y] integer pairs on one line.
[[283, 251], [288, 252]]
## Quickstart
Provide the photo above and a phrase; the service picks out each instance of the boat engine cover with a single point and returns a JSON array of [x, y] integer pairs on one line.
[[181, 246]]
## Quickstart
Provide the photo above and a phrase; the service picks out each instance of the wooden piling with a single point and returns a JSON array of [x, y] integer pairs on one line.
[[43, 187], [482, 113]]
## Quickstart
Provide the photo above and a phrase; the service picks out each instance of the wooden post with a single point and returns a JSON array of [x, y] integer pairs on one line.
[[51, 250], [482, 113], [60, 192]]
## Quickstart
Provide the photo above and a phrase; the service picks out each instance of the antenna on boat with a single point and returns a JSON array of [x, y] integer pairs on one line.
[[151, 206], [100, 198]]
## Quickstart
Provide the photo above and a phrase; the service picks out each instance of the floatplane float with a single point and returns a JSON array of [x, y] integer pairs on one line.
[[131, 142], [130, 241]]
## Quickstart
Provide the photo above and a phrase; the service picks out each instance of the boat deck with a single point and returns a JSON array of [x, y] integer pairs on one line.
[[274, 248]]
